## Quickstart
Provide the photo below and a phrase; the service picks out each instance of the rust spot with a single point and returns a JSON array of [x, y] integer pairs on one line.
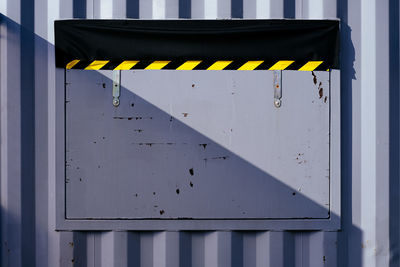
[[132, 104], [130, 118], [80, 179], [314, 78], [294, 193], [171, 118], [94, 142], [136, 195], [138, 130], [203, 145], [185, 114], [324, 259], [191, 184], [193, 85], [104, 85], [178, 191], [321, 92], [162, 212], [325, 99], [71, 244], [73, 260], [104, 137], [191, 171], [154, 193]]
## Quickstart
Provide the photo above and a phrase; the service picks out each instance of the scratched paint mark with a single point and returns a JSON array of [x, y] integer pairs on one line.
[[133, 118], [191, 171], [152, 144], [300, 159], [185, 114], [162, 212], [222, 157]]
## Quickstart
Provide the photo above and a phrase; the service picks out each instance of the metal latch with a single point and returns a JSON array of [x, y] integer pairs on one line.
[[116, 90], [277, 88]]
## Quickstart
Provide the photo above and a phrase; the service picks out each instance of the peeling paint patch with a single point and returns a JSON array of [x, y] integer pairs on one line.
[[203, 145]]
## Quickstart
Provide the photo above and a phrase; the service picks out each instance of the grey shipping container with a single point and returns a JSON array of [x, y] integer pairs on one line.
[[369, 83]]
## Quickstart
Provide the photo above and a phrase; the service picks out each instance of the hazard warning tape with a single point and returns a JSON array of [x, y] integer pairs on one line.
[[197, 65]]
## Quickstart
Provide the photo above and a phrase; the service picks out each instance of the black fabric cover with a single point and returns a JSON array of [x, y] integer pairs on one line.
[[269, 40]]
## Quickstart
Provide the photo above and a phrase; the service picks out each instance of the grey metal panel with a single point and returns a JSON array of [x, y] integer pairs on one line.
[[345, 248], [190, 145]]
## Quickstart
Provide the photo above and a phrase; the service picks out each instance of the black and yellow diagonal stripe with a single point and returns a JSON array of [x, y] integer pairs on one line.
[[197, 65]]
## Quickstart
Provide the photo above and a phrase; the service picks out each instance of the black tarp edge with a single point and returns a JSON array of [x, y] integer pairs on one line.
[[208, 40]]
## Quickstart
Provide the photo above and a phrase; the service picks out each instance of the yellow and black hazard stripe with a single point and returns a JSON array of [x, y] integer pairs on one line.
[[198, 65]]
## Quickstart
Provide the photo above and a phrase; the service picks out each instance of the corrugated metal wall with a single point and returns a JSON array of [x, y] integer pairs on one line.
[[370, 144]]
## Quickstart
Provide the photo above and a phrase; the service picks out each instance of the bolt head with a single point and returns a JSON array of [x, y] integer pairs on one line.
[[277, 103], [116, 102]]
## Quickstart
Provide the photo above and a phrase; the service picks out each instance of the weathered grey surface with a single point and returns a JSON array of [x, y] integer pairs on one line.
[[197, 144]]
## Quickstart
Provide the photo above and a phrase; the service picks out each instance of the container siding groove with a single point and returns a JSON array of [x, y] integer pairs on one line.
[[263, 248]]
